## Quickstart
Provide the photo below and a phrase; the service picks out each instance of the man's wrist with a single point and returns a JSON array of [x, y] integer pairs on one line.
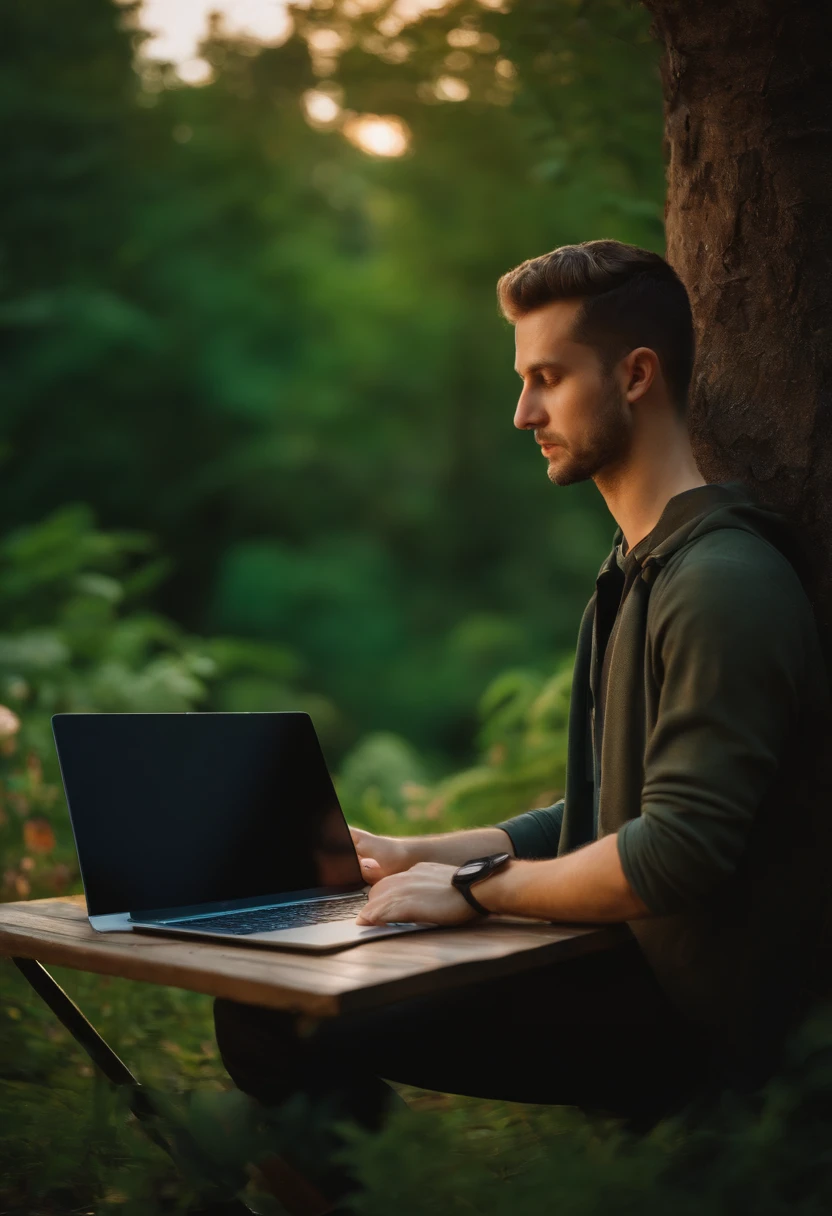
[[494, 892], [408, 855]]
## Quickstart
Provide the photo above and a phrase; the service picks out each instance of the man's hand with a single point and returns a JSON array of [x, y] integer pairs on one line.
[[422, 894], [380, 855]]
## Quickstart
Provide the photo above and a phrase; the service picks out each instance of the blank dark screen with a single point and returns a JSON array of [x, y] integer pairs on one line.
[[171, 810]]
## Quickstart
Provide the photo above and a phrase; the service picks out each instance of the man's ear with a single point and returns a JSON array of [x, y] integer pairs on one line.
[[642, 368]]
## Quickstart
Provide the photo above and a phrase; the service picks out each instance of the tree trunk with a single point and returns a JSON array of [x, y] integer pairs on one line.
[[748, 141]]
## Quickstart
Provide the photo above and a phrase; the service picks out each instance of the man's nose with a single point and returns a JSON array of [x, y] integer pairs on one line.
[[529, 416]]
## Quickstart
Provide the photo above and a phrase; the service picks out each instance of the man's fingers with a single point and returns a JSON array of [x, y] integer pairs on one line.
[[377, 910], [372, 916], [371, 869]]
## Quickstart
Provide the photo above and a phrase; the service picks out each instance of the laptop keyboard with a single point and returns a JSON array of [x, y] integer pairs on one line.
[[289, 916]]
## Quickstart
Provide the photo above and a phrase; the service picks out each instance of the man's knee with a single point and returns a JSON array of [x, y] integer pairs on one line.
[[269, 1056], [257, 1046]]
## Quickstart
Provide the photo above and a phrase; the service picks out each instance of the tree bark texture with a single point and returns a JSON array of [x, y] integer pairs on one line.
[[748, 144]]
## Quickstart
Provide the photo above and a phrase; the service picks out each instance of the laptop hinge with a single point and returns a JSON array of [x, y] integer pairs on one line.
[[162, 916]]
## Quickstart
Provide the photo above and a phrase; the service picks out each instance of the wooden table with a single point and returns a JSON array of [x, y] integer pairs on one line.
[[374, 973], [312, 986]]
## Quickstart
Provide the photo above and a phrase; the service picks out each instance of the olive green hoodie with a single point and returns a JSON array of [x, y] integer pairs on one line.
[[715, 716]]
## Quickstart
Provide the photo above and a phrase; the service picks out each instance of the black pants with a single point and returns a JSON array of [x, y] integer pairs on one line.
[[594, 1032]]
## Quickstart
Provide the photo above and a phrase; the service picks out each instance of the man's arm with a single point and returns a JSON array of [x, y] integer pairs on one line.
[[533, 834], [384, 855], [733, 634], [585, 886]]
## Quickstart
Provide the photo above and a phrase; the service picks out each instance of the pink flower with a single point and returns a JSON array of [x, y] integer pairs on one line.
[[9, 723]]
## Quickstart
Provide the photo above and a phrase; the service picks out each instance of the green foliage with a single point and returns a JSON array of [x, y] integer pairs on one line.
[[522, 764], [282, 357], [383, 768], [78, 638], [66, 1137]]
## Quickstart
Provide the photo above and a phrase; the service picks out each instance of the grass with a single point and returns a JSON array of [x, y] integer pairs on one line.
[[68, 1143]]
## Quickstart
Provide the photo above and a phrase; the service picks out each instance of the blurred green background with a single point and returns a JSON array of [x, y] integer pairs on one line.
[[256, 435]]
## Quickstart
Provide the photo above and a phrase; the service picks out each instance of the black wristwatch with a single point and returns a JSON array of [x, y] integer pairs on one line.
[[475, 870]]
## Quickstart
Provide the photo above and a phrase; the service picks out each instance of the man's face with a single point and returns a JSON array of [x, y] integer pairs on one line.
[[578, 414]]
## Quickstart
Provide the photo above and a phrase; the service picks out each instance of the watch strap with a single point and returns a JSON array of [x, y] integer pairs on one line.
[[478, 869], [466, 893]]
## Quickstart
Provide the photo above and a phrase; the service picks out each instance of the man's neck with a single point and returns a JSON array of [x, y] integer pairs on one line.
[[638, 493]]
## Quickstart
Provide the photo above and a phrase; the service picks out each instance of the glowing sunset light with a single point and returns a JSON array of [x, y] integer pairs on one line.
[[325, 41], [462, 37], [178, 26], [320, 108], [380, 136], [195, 71], [411, 10], [354, 8], [451, 88]]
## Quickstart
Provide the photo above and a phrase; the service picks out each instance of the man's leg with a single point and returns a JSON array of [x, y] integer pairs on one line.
[[595, 1032]]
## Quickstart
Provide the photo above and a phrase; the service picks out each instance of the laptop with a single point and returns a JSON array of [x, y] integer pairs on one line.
[[212, 825]]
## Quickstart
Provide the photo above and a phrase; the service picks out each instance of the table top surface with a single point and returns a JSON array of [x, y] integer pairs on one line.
[[374, 973]]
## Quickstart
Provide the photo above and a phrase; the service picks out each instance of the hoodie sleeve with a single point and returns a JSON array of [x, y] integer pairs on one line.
[[535, 835], [730, 638]]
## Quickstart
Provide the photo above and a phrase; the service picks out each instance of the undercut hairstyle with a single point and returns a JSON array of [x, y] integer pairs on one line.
[[629, 297]]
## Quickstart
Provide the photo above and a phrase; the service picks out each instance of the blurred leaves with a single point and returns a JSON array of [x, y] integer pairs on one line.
[[380, 771], [523, 736], [282, 357], [79, 638]]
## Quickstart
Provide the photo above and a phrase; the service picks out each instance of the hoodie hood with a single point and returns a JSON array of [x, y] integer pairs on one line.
[[702, 509]]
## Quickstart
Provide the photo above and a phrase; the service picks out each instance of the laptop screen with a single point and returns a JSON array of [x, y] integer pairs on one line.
[[175, 810]]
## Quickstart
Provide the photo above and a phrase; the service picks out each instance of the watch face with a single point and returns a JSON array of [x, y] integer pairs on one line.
[[470, 868]]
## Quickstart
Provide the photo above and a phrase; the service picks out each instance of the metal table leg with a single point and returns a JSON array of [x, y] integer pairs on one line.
[[107, 1062]]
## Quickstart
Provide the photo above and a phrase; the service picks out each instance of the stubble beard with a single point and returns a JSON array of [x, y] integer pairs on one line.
[[605, 447]]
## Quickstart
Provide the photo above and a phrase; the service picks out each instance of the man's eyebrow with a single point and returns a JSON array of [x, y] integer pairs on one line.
[[539, 367]]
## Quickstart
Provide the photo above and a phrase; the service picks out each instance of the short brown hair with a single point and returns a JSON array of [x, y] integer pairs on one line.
[[630, 297]]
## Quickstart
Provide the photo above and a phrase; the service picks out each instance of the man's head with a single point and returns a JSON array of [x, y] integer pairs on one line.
[[605, 344]]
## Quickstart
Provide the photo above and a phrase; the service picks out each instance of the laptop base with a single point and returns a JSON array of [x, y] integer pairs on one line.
[[312, 939]]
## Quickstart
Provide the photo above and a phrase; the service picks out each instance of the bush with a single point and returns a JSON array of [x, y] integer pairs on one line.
[[522, 764], [77, 638]]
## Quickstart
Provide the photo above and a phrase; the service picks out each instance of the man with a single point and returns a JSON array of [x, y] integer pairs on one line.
[[697, 714]]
